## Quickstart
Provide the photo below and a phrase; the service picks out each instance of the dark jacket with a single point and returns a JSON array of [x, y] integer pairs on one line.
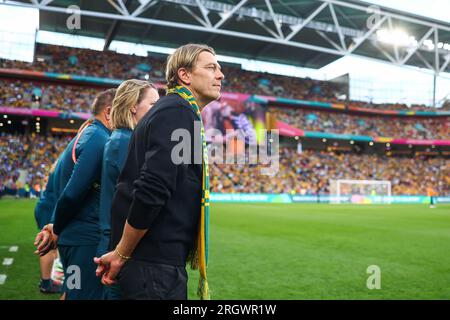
[[155, 193]]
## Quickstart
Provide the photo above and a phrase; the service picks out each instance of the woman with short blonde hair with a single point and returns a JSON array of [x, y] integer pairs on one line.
[[132, 101], [125, 111]]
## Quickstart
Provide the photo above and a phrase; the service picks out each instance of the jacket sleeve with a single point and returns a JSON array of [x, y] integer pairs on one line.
[[110, 173], [47, 197], [158, 174], [84, 174], [49, 188]]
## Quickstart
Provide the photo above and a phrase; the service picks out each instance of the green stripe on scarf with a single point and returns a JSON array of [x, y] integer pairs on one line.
[[199, 256]]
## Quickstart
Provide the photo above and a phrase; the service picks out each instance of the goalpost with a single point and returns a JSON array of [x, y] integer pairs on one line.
[[360, 191]]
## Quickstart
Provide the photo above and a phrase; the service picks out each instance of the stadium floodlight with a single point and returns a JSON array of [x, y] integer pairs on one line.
[[396, 37], [360, 191]]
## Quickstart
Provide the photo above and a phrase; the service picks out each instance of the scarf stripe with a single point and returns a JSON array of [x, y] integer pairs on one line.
[[199, 258]]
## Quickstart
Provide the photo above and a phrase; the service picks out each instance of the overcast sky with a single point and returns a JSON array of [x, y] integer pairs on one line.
[[436, 9]]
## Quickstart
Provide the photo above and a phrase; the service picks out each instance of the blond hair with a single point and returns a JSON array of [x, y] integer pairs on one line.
[[129, 94], [184, 57]]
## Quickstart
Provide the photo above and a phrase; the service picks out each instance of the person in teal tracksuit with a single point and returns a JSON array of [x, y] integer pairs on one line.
[[132, 101], [43, 213], [75, 218]]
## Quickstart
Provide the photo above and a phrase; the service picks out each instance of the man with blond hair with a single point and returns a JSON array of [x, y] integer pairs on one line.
[[160, 211]]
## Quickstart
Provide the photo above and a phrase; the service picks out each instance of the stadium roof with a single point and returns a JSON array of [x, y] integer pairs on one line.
[[305, 33]]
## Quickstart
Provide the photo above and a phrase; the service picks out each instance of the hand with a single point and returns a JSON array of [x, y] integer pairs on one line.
[[45, 240], [109, 266]]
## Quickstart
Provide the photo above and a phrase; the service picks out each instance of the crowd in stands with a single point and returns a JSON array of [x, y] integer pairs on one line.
[[310, 172], [25, 161], [102, 64], [109, 64], [48, 96], [305, 173], [375, 126], [238, 80]]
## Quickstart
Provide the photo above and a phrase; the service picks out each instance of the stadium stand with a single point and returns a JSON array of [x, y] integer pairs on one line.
[[63, 97], [47, 96], [113, 65], [32, 154], [305, 173], [341, 123], [310, 171]]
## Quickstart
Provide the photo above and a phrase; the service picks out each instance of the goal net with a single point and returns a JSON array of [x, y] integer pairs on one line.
[[360, 191]]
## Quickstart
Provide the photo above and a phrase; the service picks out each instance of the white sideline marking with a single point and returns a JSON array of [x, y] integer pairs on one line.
[[8, 261], [11, 248], [2, 278]]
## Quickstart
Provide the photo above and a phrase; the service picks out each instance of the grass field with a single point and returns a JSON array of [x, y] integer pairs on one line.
[[304, 251]]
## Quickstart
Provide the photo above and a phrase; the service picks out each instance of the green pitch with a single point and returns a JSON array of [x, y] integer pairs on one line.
[[304, 251]]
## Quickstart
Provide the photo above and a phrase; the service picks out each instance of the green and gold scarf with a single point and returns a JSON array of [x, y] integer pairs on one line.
[[199, 256]]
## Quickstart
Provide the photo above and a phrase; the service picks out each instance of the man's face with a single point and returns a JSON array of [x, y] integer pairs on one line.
[[206, 78]]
